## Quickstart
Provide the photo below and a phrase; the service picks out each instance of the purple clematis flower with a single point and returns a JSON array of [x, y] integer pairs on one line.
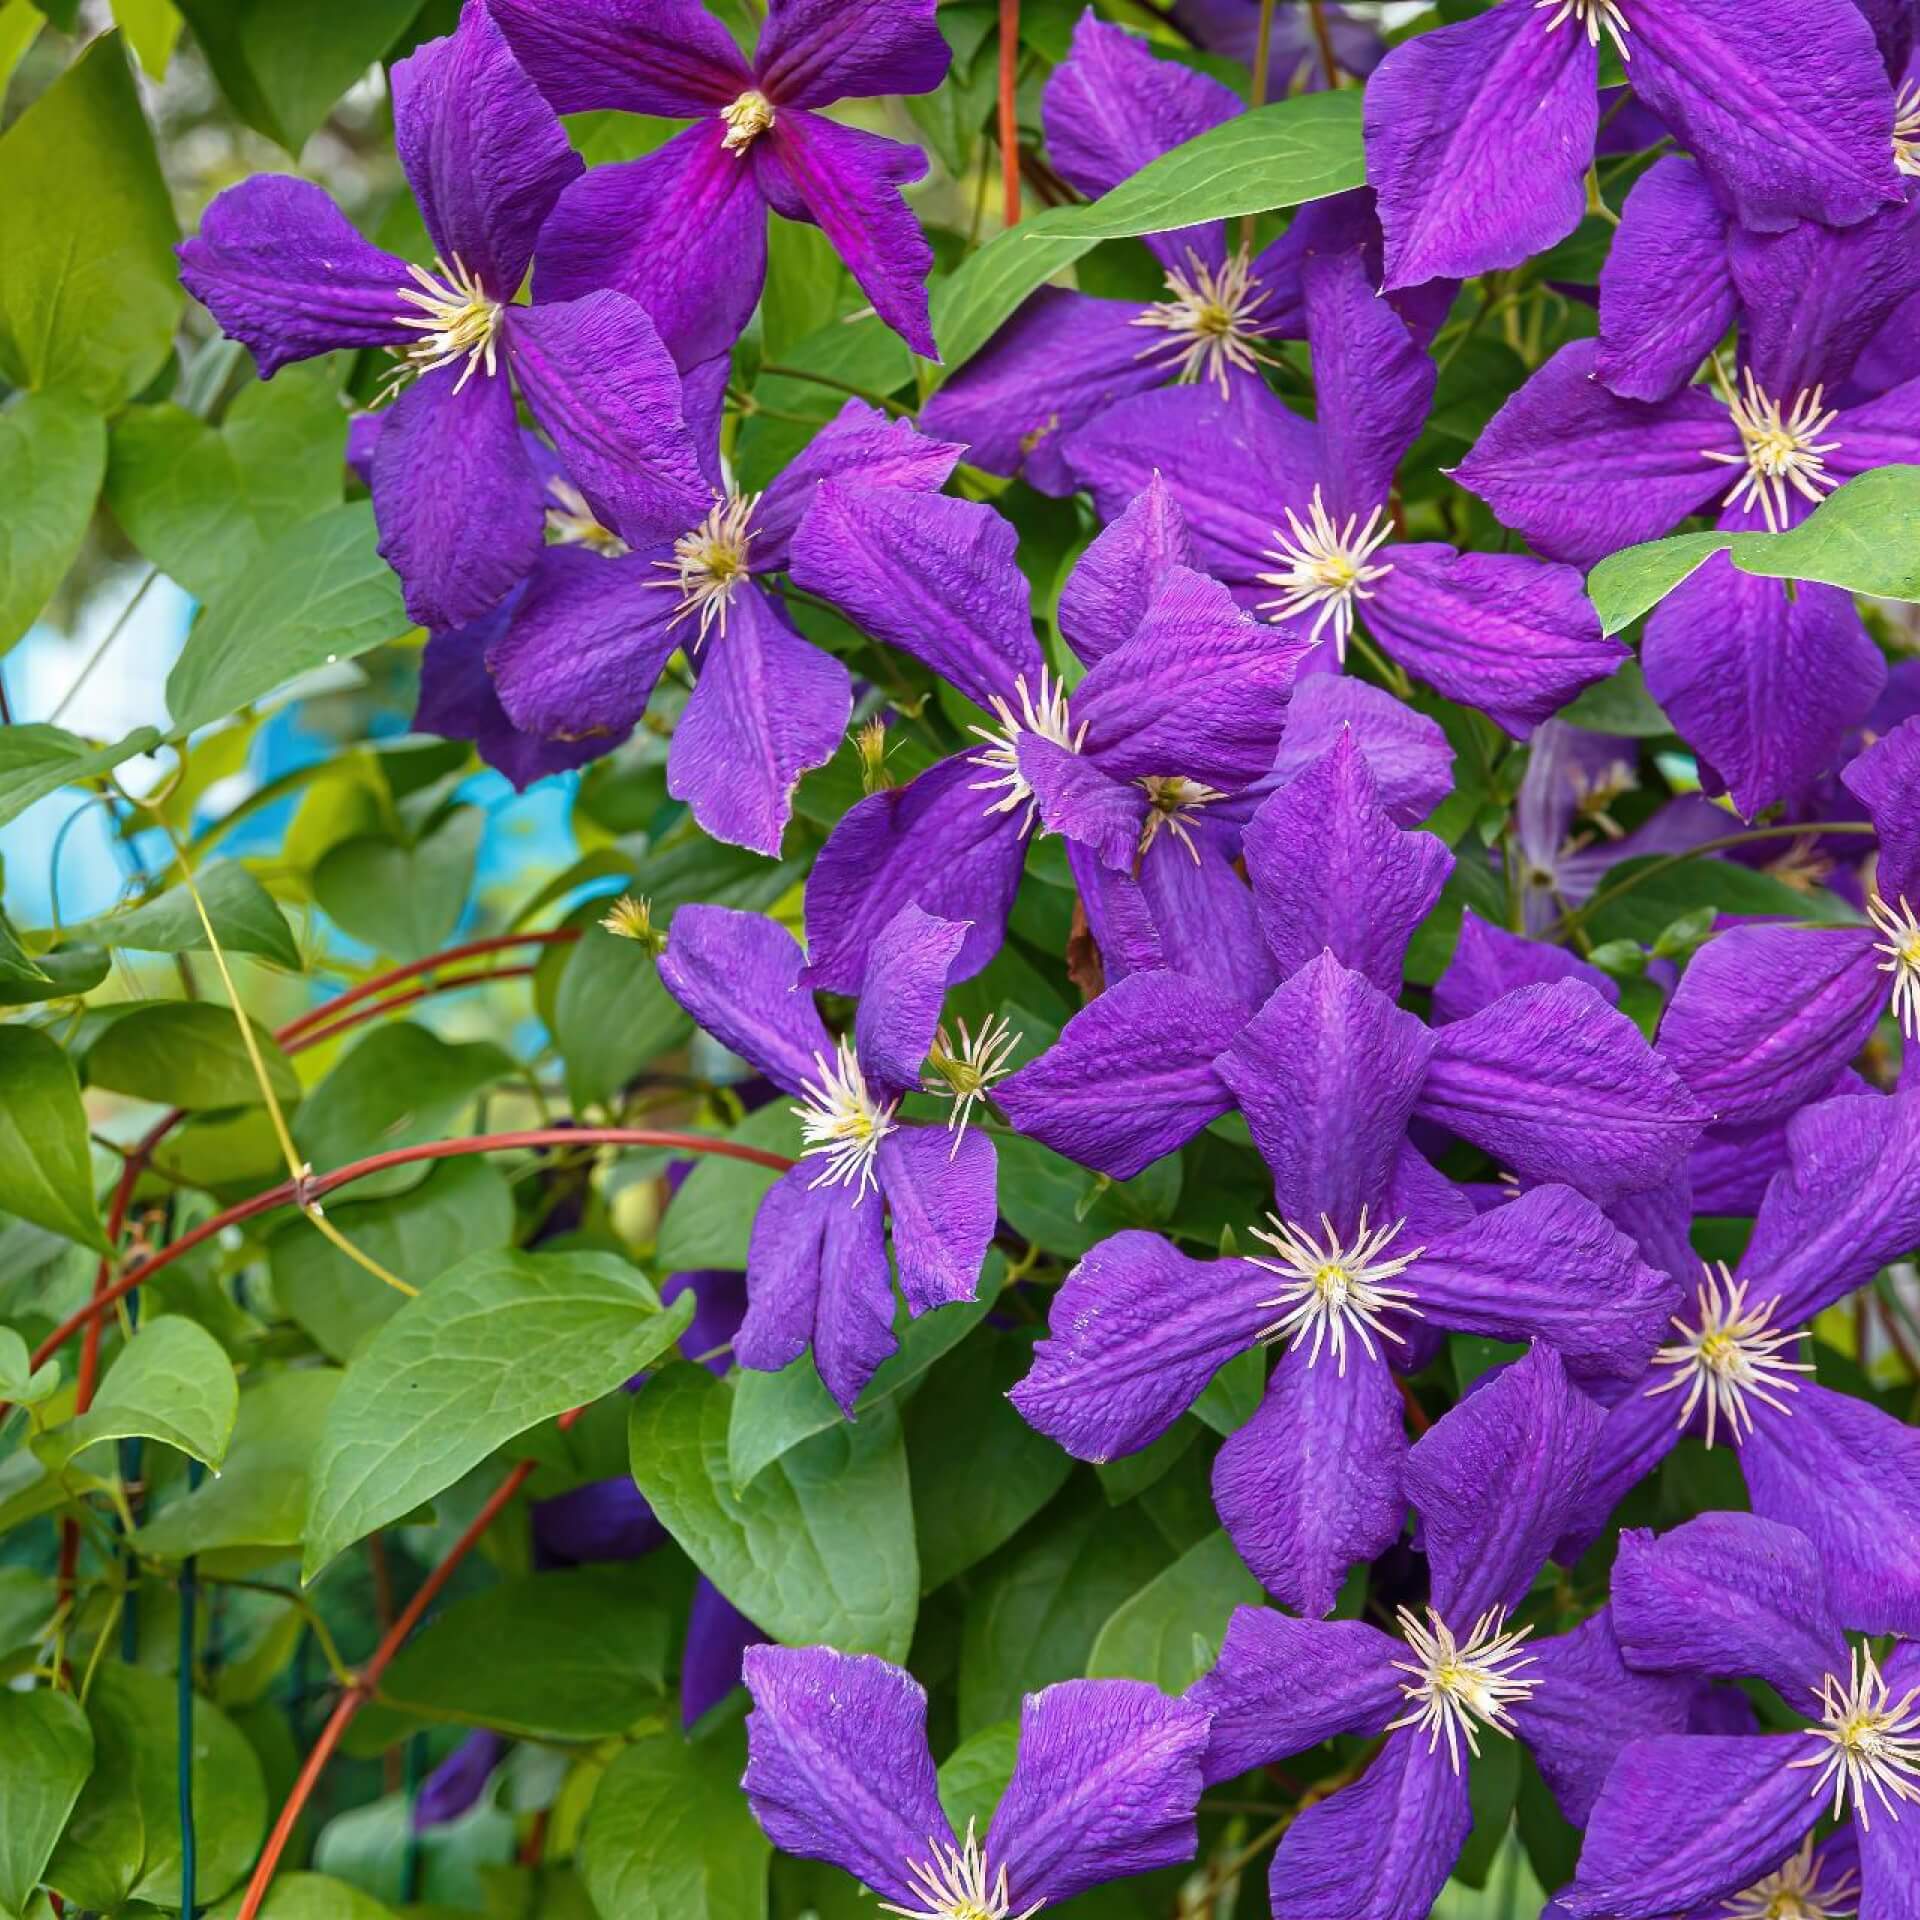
[[1686, 1820], [1108, 109], [817, 1262], [599, 1521], [1365, 1238], [456, 1784], [458, 500], [1764, 678], [1479, 134], [1182, 703], [579, 650], [1492, 1482], [684, 230], [718, 1636], [1834, 1466], [1106, 1784], [1295, 516], [1295, 61]]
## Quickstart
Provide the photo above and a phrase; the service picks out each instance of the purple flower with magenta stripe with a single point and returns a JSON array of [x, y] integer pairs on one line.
[[817, 1263], [684, 230], [459, 501], [1105, 1784]]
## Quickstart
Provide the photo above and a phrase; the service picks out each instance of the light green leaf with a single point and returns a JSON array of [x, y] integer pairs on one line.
[[402, 900], [611, 1015], [152, 27], [202, 502], [319, 593], [259, 1497], [1153, 1635], [494, 1346], [46, 1169], [245, 918], [46, 1753], [711, 1218], [670, 1836], [27, 1599], [20, 24], [53, 450], [63, 971], [819, 1548], [19, 1382], [1273, 156], [185, 1053], [309, 1896], [576, 1655], [172, 1382], [36, 760], [123, 1841], [1636, 579], [91, 291]]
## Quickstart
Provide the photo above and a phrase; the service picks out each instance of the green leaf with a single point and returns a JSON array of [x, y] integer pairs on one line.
[[975, 1774], [283, 67], [172, 1382], [20, 24], [259, 1497], [152, 27], [611, 1015], [494, 1346], [19, 1382], [185, 1053], [710, 1220], [91, 291], [462, 1207], [402, 900], [309, 1896], [1619, 704], [670, 1836], [1657, 899], [575, 1655], [1068, 1210], [27, 1600], [319, 593], [819, 1548], [46, 1169], [1231, 1398], [202, 502], [46, 1753], [244, 915], [1153, 1635], [123, 1841], [36, 760], [1273, 156], [53, 451], [63, 972]]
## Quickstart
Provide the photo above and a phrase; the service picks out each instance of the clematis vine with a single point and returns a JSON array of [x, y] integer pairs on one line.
[[1105, 1784], [684, 230], [1687, 1821], [459, 501]]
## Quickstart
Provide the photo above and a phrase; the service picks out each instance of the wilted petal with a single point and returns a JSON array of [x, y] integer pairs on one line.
[[837, 1763], [1488, 961], [813, 52], [1312, 1483], [668, 57], [1406, 752], [940, 1197], [1106, 596], [1886, 781], [900, 1008], [1106, 1783], [1135, 1333], [738, 975]]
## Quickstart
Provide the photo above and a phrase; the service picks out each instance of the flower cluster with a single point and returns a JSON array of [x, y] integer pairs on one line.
[[1296, 753]]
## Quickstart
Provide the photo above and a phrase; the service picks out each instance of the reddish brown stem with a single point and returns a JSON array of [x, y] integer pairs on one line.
[[1009, 114], [360, 1015], [1323, 40], [1416, 1413]]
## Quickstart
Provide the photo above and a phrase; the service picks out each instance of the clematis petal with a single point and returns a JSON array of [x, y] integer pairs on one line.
[[1641, 469], [813, 52], [1548, 1265], [1557, 1085], [1726, 1595], [282, 270], [1406, 1817], [600, 1521], [738, 974], [894, 1026], [669, 57], [682, 231], [718, 1636], [458, 504], [1283, 1685], [940, 1197], [1488, 961], [1168, 1028], [1886, 781], [1077, 799], [1331, 871], [768, 705], [457, 1783], [1765, 1017], [1765, 679], [1890, 1869], [1640, 1431], [1134, 1334], [1514, 636], [1477, 137], [849, 181], [1784, 101], [1494, 1481], [485, 155], [1328, 1073], [837, 1763], [1588, 1704], [932, 842], [1880, 432], [929, 574], [1848, 1476], [1406, 752], [1105, 597], [1666, 290]]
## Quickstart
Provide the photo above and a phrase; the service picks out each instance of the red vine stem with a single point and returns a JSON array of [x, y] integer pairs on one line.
[[1009, 118], [359, 1016]]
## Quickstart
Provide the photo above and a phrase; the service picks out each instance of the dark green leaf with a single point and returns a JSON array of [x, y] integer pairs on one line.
[[1067, 1209], [975, 1774], [53, 450], [185, 1053], [1153, 1634], [46, 1753], [46, 1169], [402, 900], [244, 915], [711, 1217], [611, 1015], [1619, 704]]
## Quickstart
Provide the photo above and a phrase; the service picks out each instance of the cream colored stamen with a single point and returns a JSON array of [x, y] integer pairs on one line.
[[457, 316], [1731, 1355], [1457, 1686], [1592, 17], [710, 561], [1334, 1290], [1779, 447], [1325, 565], [1045, 715], [1870, 1736], [747, 119], [1173, 802], [1213, 317], [1902, 948]]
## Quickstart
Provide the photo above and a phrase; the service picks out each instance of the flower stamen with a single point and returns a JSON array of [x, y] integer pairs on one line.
[[1734, 1352], [1172, 802], [1795, 1893], [963, 1074], [842, 1121], [459, 319], [1902, 948], [1212, 318], [1336, 1290], [954, 1883], [1324, 565], [1456, 1685], [1045, 715], [747, 118], [1591, 16], [1780, 448], [710, 561], [572, 523], [1906, 128], [1872, 1742]]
